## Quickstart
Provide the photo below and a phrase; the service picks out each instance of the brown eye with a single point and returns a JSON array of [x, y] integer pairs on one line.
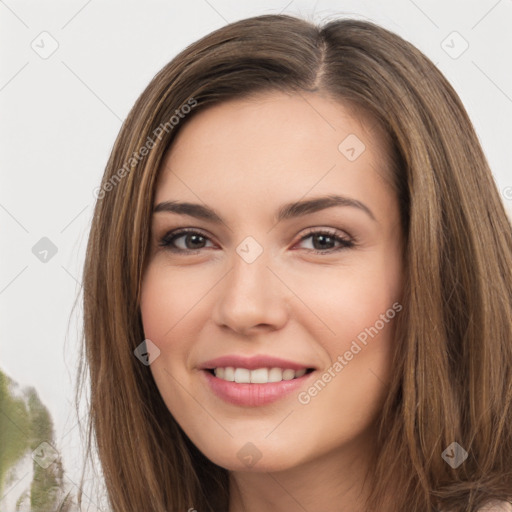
[[325, 241], [184, 241]]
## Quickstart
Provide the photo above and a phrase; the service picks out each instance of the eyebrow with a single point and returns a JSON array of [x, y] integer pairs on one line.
[[287, 211]]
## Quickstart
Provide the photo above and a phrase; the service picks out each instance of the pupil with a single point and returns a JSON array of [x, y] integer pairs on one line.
[[323, 238], [194, 239]]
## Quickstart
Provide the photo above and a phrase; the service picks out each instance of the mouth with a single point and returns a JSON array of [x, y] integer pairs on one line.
[[244, 387], [258, 375], [250, 381]]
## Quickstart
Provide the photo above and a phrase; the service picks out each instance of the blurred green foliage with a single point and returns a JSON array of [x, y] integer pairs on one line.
[[25, 423]]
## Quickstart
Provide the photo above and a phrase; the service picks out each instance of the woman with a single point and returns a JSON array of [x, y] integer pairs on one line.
[[298, 284]]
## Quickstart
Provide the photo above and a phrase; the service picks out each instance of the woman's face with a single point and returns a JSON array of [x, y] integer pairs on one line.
[[273, 268]]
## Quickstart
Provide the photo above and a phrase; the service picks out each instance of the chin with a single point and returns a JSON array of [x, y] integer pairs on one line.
[[248, 457]]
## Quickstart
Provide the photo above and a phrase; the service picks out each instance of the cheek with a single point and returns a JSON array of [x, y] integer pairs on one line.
[[167, 306], [349, 393], [346, 300], [357, 306], [164, 305], [174, 308], [167, 297]]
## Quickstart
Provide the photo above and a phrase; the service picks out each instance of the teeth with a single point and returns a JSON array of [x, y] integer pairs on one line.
[[242, 375], [258, 376], [229, 374], [275, 375], [288, 374]]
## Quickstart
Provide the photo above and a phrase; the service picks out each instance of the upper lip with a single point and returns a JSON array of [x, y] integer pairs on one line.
[[252, 363]]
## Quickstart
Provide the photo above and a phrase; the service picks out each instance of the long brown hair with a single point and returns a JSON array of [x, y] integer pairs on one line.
[[452, 378]]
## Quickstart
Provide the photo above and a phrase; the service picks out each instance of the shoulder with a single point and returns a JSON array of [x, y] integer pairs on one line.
[[497, 506]]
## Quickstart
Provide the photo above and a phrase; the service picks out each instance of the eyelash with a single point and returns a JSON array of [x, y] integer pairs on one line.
[[172, 236]]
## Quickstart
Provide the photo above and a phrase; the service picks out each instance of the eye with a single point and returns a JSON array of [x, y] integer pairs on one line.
[[192, 241], [324, 241]]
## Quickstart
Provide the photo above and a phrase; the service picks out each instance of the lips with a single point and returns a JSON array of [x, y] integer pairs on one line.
[[253, 363], [250, 393]]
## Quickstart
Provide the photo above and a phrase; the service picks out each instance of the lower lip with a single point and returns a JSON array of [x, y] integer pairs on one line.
[[253, 395]]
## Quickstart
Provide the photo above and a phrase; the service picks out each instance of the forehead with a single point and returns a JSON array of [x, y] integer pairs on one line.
[[274, 144]]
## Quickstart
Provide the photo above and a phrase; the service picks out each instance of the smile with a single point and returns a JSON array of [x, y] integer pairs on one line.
[[254, 388], [259, 375]]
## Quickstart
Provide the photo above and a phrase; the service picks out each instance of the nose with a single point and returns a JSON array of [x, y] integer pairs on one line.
[[251, 299]]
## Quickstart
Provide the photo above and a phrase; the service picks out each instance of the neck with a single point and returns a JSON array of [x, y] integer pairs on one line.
[[334, 482]]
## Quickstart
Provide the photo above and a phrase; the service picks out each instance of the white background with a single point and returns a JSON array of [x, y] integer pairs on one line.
[[61, 115]]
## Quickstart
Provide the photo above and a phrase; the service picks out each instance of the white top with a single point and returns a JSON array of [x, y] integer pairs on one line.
[[497, 506]]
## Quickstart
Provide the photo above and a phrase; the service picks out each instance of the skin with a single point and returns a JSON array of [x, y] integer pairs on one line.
[[245, 158]]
